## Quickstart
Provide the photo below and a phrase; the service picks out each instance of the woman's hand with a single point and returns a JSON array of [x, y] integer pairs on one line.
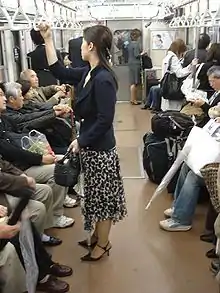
[[194, 61], [3, 211], [74, 146], [45, 31], [198, 102]]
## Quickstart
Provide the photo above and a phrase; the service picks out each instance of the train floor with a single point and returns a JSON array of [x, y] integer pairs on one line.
[[143, 258]]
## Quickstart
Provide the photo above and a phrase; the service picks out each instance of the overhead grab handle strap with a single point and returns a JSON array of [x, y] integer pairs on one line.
[[20, 11], [40, 17], [6, 14]]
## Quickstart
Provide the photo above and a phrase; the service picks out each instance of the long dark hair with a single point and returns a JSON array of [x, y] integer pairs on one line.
[[101, 37]]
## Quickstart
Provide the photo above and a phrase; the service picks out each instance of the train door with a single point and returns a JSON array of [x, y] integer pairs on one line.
[[3, 67], [121, 31]]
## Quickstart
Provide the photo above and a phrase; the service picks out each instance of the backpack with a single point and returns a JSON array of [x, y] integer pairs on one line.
[[146, 62], [171, 85], [171, 124], [158, 156]]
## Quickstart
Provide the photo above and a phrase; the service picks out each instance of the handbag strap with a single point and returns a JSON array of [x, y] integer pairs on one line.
[[169, 64], [198, 70]]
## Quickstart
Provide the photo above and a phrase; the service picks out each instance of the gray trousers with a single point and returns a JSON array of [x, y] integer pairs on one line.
[[12, 274], [45, 175], [36, 210]]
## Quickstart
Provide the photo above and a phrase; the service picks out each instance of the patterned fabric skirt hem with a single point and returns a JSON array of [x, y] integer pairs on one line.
[[104, 196], [90, 224]]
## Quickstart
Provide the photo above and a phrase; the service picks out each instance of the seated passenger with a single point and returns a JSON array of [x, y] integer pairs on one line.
[[49, 94], [12, 274], [189, 184], [14, 184], [31, 165], [153, 101], [38, 120], [213, 59], [214, 81], [174, 55], [48, 269], [204, 41]]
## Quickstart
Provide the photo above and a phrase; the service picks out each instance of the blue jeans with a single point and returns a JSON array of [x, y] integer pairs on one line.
[[154, 97], [186, 195]]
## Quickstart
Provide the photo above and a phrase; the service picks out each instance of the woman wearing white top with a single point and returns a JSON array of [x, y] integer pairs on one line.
[[176, 52]]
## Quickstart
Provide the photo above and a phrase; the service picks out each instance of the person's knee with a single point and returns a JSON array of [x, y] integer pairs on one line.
[[193, 179], [38, 213], [44, 194]]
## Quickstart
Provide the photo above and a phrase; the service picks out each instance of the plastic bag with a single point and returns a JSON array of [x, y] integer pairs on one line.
[[28, 253], [36, 142], [204, 149]]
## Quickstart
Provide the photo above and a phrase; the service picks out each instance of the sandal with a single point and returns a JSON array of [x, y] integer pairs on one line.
[[105, 249], [134, 103], [84, 244]]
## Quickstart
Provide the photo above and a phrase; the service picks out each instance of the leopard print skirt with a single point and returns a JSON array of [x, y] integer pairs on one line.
[[104, 196]]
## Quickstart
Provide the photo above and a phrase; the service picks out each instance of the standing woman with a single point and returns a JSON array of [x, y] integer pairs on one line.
[[134, 65], [96, 87]]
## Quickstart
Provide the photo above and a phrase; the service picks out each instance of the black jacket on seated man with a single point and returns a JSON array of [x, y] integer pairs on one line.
[[10, 150], [57, 130], [33, 120]]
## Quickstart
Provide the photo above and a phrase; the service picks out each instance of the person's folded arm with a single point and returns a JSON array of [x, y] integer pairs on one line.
[[7, 167], [12, 153], [105, 96], [9, 182]]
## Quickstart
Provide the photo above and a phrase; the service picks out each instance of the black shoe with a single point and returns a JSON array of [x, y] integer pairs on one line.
[[211, 253], [207, 237], [53, 241], [145, 107], [215, 266], [88, 256]]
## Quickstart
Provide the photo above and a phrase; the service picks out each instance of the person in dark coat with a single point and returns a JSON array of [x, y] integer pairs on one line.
[[38, 60], [75, 53], [96, 88], [203, 44]]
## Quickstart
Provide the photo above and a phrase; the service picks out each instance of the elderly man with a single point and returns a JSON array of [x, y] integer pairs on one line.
[[49, 94], [189, 184], [39, 167]]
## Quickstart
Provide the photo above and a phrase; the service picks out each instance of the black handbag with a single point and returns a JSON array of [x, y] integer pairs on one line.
[[67, 173], [170, 85]]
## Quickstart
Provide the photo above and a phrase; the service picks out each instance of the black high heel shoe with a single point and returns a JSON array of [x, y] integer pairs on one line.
[[84, 244], [88, 256]]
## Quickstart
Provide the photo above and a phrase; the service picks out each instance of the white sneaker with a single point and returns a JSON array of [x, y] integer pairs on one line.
[[173, 226], [63, 222], [168, 212], [69, 202]]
